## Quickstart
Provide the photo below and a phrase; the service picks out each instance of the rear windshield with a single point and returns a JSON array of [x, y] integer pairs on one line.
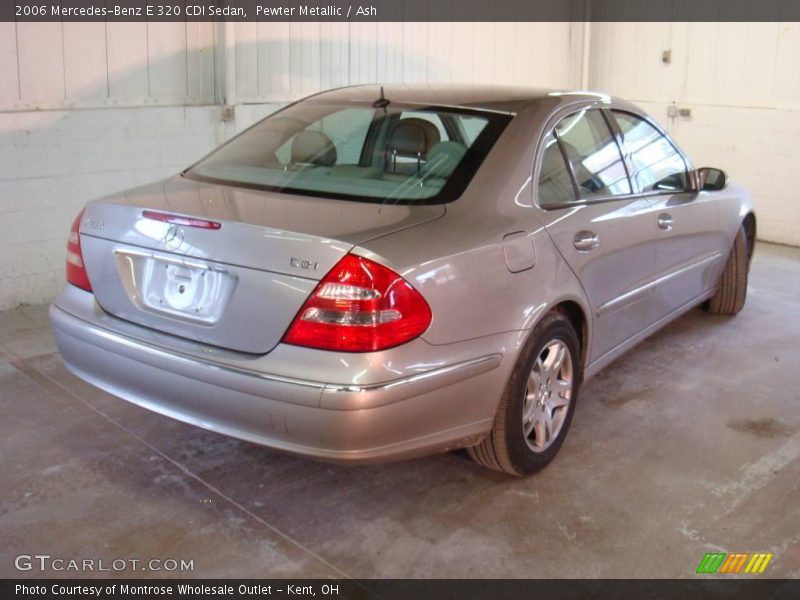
[[397, 154]]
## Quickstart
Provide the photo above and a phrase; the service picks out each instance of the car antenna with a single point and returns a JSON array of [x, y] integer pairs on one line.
[[381, 102]]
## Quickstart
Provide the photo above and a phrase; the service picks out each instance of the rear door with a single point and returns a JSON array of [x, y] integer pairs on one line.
[[690, 243], [600, 227]]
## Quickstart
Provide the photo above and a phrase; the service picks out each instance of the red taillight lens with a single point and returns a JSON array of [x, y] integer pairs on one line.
[[76, 273], [360, 306]]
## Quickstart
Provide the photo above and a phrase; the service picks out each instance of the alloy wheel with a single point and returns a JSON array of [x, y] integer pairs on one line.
[[547, 395]]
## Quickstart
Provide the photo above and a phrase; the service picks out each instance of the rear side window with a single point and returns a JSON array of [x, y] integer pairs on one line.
[[657, 165], [589, 146], [555, 182]]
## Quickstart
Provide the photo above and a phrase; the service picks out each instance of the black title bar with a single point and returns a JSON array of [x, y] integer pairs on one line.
[[404, 589], [400, 10]]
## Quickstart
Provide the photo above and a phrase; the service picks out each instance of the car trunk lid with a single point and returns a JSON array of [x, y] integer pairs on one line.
[[237, 286]]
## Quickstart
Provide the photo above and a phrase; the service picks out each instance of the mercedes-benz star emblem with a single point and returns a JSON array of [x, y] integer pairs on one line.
[[174, 237]]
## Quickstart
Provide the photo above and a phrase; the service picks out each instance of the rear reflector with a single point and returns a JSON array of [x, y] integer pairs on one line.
[[360, 306], [180, 220], [76, 272]]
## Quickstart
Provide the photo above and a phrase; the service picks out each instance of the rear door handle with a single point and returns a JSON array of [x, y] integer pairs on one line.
[[585, 241], [665, 221]]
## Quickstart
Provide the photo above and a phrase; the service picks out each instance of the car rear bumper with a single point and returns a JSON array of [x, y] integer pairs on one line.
[[430, 411]]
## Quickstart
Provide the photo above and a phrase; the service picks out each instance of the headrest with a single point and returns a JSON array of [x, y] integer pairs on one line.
[[413, 136], [314, 148], [443, 158]]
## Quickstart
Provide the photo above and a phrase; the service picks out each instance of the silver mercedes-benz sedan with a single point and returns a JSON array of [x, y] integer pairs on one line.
[[379, 273]]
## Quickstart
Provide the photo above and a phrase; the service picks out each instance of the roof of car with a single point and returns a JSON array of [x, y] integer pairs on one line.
[[508, 99]]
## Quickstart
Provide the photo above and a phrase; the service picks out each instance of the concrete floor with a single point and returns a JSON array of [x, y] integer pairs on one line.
[[689, 444]]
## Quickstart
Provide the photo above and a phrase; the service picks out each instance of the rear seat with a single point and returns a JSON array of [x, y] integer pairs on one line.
[[415, 139]]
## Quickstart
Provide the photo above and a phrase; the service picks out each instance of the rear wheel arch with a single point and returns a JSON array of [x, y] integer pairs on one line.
[[576, 315]]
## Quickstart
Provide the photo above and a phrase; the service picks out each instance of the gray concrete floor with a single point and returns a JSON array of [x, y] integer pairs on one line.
[[689, 444]]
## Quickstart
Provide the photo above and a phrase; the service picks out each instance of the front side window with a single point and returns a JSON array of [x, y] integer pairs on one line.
[[355, 151], [590, 147], [657, 165]]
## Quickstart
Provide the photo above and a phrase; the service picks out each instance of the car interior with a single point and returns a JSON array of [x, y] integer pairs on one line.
[[360, 151], [413, 147]]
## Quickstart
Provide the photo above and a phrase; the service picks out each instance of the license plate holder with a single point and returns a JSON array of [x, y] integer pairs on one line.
[[180, 288]]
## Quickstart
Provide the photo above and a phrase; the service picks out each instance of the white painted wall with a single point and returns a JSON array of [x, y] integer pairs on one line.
[[742, 84], [89, 109]]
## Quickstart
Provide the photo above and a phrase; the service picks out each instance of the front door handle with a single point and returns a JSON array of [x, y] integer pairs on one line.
[[665, 222], [585, 241]]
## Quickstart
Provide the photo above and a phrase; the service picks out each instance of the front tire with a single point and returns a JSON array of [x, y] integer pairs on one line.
[[732, 291], [536, 409]]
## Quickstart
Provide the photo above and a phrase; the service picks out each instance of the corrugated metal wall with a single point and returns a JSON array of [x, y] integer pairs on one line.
[[65, 65], [69, 65], [279, 61]]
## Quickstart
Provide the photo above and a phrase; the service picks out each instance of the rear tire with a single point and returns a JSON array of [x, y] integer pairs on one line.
[[536, 409], [732, 289]]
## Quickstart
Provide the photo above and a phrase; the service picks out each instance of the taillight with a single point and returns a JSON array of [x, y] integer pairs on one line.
[[360, 306], [76, 272]]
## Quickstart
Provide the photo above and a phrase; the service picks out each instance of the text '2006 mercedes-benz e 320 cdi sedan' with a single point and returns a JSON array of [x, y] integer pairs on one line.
[[374, 274]]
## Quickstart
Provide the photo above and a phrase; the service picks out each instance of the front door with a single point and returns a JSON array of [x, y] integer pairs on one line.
[[690, 243]]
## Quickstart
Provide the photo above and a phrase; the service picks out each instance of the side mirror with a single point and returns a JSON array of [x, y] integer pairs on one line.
[[711, 179]]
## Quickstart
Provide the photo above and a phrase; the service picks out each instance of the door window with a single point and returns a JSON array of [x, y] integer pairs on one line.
[[555, 183], [657, 165], [589, 146]]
